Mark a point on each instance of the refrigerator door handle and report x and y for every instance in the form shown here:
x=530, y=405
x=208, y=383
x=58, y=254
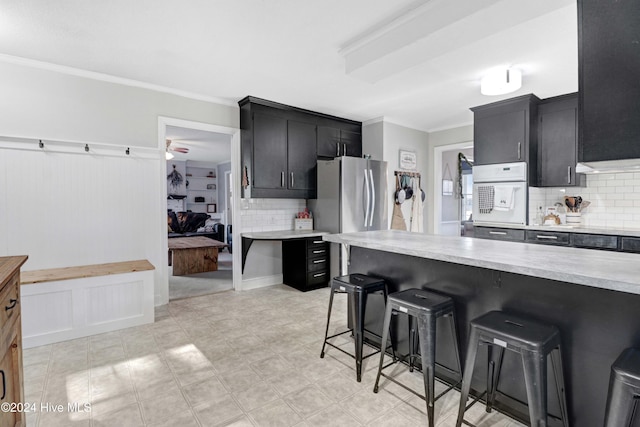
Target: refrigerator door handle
x=368, y=200
x=373, y=197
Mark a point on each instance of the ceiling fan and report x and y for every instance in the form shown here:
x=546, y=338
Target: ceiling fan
x=170, y=148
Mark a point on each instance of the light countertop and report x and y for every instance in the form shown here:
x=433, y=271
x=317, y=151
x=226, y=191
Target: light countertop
x=615, y=271
x=283, y=234
x=569, y=229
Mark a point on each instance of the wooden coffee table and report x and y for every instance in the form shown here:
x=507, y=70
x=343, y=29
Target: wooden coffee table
x=192, y=255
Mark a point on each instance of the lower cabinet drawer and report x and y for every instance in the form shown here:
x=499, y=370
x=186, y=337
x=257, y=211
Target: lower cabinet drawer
x=630, y=244
x=498, y=233
x=316, y=264
x=317, y=251
x=597, y=241
x=317, y=277
x=9, y=301
x=547, y=237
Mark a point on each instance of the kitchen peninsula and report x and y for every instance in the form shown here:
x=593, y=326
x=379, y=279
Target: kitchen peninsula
x=592, y=296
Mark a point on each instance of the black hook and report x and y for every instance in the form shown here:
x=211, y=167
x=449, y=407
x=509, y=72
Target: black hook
x=86, y=147
x=127, y=151
x=40, y=143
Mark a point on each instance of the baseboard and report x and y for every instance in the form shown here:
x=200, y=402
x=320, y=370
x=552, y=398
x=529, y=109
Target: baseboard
x=261, y=282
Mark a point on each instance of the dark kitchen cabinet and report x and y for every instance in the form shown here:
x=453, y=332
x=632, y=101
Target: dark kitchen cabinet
x=269, y=145
x=496, y=233
x=279, y=147
x=506, y=132
x=305, y=263
x=609, y=88
x=558, y=142
x=548, y=237
x=334, y=142
x=301, y=160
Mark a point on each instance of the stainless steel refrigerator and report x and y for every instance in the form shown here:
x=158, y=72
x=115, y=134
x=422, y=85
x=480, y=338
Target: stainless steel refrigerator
x=352, y=196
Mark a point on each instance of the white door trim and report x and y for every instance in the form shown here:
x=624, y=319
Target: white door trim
x=437, y=179
x=163, y=122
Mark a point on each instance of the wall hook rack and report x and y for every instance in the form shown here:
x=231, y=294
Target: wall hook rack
x=127, y=152
x=40, y=143
x=86, y=147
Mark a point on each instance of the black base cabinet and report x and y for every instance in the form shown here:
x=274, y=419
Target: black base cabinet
x=305, y=263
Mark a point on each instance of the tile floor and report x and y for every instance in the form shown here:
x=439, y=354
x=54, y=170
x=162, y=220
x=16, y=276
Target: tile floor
x=229, y=359
x=203, y=283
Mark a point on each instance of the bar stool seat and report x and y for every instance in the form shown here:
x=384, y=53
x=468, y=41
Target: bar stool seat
x=425, y=307
x=358, y=287
x=624, y=388
x=534, y=341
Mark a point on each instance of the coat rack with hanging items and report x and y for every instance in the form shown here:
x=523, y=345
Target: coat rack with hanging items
x=407, y=189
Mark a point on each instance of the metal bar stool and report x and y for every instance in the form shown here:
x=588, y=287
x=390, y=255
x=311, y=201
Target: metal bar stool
x=425, y=307
x=534, y=341
x=357, y=286
x=624, y=389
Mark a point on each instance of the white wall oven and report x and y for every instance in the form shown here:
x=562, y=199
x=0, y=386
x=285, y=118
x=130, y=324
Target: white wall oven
x=500, y=194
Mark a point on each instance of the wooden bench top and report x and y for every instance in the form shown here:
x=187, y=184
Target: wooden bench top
x=178, y=243
x=81, y=271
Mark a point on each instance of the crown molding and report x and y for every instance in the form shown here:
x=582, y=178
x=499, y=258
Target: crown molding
x=63, y=69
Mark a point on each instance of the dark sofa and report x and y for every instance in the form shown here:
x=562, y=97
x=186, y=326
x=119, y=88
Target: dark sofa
x=187, y=224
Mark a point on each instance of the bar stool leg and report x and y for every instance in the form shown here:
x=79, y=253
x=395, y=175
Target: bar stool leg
x=469, y=363
x=326, y=332
x=359, y=303
x=454, y=336
x=493, y=374
x=412, y=343
x=621, y=404
x=393, y=343
x=427, y=336
x=556, y=361
x=535, y=379
x=385, y=335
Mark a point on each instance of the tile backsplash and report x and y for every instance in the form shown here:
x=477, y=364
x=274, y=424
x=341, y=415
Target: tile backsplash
x=615, y=200
x=269, y=214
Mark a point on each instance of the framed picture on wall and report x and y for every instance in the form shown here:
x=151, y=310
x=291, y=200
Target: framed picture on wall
x=211, y=208
x=408, y=160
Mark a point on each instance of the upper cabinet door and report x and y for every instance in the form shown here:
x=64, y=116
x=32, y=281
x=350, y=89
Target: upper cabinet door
x=269, y=151
x=500, y=138
x=609, y=82
x=329, y=142
x=301, y=155
x=558, y=142
x=351, y=143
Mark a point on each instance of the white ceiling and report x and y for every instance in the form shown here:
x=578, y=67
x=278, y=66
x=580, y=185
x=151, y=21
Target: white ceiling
x=203, y=146
x=416, y=63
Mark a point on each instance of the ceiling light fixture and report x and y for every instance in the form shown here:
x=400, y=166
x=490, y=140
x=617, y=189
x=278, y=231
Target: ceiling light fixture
x=500, y=81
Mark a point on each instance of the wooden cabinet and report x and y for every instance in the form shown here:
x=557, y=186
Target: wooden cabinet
x=609, y=60
x=305, y=263
x=334, y=142
x=558, y=142
x=506, y=132
x=280, y=146
x=11, y=374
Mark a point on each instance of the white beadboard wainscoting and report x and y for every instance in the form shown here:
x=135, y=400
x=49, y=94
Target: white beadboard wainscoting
x=615, y=200
x=65, y=207
x=67, y=309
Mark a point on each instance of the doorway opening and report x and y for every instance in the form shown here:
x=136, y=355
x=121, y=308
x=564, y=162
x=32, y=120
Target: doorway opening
x=199, y=162
x=453, y=189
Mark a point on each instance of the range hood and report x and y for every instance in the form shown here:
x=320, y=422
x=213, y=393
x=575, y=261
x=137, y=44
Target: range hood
x=609, y=166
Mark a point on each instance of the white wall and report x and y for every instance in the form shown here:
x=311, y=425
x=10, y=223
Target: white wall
x=383, y=140
x=71, y=209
